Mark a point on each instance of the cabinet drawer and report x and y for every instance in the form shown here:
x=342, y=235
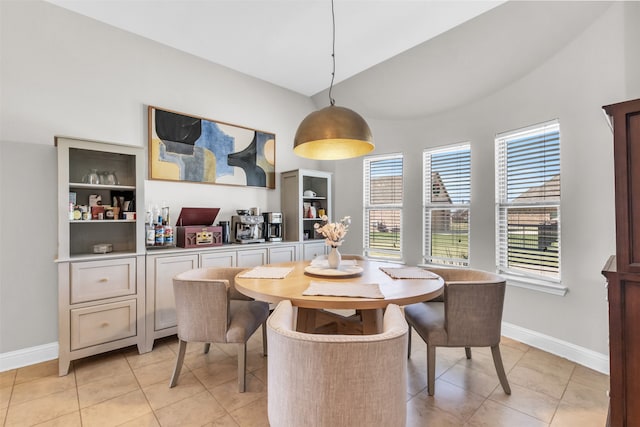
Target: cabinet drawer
x=102, y=323
x=102, y=279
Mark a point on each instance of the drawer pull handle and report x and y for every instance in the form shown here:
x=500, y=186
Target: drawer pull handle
x=104, y=324
x=104, y=279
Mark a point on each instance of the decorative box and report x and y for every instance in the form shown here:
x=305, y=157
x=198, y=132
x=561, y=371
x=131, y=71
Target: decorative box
x=194, y=229
x=198, y=236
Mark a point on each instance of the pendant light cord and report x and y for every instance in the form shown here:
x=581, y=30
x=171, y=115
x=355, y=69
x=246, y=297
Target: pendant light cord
x=333, y=53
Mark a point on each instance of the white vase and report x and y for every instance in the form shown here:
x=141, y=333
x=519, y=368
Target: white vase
x=334, y=258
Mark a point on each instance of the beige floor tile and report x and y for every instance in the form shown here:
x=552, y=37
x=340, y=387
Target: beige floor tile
x=261, y=374
x=581, y=395
x=146, y=420
x=159, y=354
x=212, y=375
x=42, y=387
x=548, y=383
x=7, y=378
x=157, y=372
x=538, y=405
x=197, y=410
x=5, y=395
x=421, y=413
x=453, y=399
x=198, y=359
x=590, y=378
x=106, y=388
x=510, y=355
x=572, y=416
x=226, y=421
x=475, y=381
x=116, y=411
x=543, y=362
x=230, y=398
x=99, y=367
x=492, y=414
x=504, y=341
x=253, y=415
x=160, y=395
x=416, y=373
x=39, y=370
x=535, y=378
x=483, y=362
x=69, y=420
x=43, y=409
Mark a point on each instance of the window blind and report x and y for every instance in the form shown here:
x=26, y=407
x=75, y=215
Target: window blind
x=446, y=195
x=528, y=201
x=383, y=197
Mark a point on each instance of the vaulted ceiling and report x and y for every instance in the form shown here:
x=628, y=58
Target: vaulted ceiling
x=394, y=58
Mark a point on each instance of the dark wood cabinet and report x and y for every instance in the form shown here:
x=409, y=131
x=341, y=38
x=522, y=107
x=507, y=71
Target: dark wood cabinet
x=623, y=270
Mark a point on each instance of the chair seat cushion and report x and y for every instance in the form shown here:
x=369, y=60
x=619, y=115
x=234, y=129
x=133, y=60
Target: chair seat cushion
x=244, y=318
x=427, y=318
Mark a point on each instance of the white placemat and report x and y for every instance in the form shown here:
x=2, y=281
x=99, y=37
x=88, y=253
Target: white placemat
x=409, y=273
x=266, y=273
x=344, y=289
x=321, y=262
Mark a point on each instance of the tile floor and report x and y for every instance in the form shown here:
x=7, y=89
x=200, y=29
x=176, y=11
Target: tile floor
x=124, y=388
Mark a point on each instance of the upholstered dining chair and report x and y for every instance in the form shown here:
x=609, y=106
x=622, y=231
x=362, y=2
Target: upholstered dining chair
x=469, y=314
x=355, y=257
x=210, y=310
x=336, y=380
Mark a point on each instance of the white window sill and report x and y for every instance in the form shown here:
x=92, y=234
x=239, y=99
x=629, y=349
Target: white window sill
x=535, y=285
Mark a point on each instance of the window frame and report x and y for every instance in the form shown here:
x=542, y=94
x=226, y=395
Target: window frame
x=428, y=205
x=528, y=279
x=376, y=253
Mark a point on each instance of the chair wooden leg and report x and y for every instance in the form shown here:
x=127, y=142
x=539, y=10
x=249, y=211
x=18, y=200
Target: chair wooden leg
x=242, y=367
x=467, y=352
x=409, y=344
x=264, y=338
x=431, y=369
x=207, y=346
x=180, y=359
x=497, y=360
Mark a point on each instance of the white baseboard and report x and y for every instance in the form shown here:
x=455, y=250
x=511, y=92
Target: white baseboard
x=28, y=356
x=583, y=356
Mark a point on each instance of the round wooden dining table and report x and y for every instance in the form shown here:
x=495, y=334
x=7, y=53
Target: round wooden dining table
x=402, y=291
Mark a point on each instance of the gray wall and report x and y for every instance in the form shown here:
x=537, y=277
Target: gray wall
x=588, y=72
x=64, y=74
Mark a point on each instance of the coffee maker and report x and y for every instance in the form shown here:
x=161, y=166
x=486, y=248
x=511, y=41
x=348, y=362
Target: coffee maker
x=247, y=228
x=273, y=227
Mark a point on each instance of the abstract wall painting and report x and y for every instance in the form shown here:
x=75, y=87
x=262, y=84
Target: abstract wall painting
x=195, y=149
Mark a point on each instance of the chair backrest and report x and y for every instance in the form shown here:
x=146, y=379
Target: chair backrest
x=202, y=303
x=473, y=304
x=336, y=380
x=352, y=256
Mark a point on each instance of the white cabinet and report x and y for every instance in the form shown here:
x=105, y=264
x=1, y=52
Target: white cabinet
x=300, y=190
x=283, y=254
x=218, y=259
x=161, y=305
x=101, y=296
x=163, y=265
x=252, y=257
x=311, y=250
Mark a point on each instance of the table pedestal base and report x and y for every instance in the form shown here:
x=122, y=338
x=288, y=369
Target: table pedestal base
x=316, y=321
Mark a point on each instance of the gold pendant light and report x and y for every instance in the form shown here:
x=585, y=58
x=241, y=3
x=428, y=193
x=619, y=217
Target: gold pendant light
x=333, y=132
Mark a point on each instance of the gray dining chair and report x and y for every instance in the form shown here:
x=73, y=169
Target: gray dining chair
x=469, y=314
x=336, y=380
x=210, y=310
